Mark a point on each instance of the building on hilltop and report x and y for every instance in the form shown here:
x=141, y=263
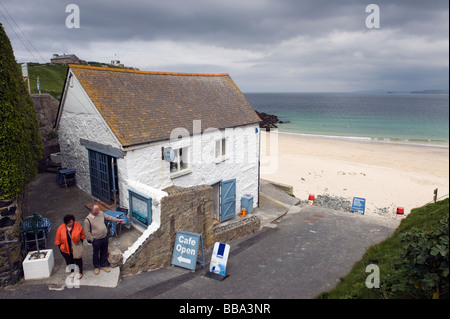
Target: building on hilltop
x=65, y=59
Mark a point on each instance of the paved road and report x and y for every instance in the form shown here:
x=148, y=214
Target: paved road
x=299, y=256
x=305, y=254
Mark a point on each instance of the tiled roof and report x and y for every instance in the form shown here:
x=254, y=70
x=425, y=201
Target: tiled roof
x=142, y=107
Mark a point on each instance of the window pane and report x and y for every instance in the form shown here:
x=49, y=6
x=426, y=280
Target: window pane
x=223, y=147
x=173, y=167
x=174, y=164
x=139, y=209
x=218, y=148
x=184, y=158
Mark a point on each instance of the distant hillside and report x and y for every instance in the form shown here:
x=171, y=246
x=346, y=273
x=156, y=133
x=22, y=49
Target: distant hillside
x=430, y=92
x=52, y=77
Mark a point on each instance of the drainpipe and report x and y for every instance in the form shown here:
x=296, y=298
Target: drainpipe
x=259, y=161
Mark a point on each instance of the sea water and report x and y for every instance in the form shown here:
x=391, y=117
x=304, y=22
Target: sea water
x=398, y=118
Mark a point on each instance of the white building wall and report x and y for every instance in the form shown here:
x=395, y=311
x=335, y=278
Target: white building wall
x=81, y=119
x=156, y=196
x=146, y=166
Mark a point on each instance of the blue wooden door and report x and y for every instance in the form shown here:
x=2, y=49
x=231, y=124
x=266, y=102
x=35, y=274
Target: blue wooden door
x=227, y=199
x=99, y=167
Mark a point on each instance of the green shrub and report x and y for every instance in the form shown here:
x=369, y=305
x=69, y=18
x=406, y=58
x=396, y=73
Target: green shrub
x=423, y=266
x=413, y=262
x=20, y=143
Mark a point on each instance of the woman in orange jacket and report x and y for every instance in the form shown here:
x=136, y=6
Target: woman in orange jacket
x=69, y=239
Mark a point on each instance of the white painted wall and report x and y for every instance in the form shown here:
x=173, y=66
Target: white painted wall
x=81, y=119
x=148, y=173
x=156, y=195
x=146, y=166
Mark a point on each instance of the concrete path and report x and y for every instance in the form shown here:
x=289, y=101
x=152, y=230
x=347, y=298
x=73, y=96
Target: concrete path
x=52, y=201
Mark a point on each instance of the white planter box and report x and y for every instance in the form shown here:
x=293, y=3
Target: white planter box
x=38, y=268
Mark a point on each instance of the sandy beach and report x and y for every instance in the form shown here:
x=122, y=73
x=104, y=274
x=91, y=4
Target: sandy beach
x=387, y=175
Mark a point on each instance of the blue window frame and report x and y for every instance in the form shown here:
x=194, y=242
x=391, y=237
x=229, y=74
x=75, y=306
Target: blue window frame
x=140, y=207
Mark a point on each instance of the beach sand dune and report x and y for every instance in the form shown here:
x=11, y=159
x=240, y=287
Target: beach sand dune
x=387, y=175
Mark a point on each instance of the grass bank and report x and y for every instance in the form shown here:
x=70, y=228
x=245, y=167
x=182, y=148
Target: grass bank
x=411, y=263
x=51, y=78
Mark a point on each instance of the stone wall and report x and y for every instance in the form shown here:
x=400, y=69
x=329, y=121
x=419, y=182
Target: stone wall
x=10, y=224
x=188, y=209
x=236, y=229
x=46, y=107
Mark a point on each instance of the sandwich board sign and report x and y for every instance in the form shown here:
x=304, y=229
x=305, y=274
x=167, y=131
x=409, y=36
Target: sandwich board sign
x=185, y=250
x=358, y=205
x=219, y=259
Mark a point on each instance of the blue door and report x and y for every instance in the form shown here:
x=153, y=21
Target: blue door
x=227, y=199
x=100, y=167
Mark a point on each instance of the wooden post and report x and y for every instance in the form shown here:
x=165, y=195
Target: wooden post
x=27, y=79
x=435, y=195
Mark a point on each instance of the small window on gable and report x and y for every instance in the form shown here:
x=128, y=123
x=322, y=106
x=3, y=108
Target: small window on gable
x=221, y=150
x=180, y=165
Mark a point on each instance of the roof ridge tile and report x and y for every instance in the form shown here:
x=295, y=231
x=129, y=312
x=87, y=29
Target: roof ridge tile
x=78, y=66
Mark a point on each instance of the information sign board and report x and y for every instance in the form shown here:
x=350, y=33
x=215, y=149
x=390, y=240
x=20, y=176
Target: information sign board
x=185, y=250
x=24, y=70
x=358, y=205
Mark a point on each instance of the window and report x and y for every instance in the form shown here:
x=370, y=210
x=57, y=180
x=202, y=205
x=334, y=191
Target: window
x=221, y=150
x=180, y=165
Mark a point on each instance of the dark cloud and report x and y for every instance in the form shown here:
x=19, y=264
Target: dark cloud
x=262, y=43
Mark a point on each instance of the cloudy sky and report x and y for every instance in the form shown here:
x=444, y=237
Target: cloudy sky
x=265, y=45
